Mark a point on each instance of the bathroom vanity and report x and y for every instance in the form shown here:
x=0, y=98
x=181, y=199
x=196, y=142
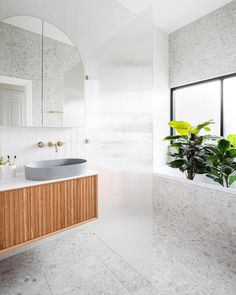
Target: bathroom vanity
x=32, y=210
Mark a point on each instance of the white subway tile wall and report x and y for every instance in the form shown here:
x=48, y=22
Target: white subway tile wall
x=22, y=142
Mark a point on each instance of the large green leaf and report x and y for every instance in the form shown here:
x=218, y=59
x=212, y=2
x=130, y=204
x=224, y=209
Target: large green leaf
x=182, y=127
x=231, y=153
x=204, y=125
x=175, y=146
x=223, y=145
x=232, y=139
x=174, y=137
x=177, y=163
x=232, y=179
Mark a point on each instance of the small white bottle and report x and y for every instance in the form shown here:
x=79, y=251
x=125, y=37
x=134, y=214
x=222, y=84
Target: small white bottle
x=9, y=170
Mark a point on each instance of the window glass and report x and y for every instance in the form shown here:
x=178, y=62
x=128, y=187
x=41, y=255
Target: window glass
x=199, y=103
x=229, y=106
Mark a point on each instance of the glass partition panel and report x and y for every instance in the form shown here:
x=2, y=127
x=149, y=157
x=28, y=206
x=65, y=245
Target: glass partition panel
x=119, y=121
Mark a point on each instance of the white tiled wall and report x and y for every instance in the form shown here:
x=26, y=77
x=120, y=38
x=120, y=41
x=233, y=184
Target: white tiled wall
x=22, y=143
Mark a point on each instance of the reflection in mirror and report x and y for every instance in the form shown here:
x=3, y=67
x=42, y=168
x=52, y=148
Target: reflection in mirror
x=41, y=75
x=20, y=71
x=63, y=80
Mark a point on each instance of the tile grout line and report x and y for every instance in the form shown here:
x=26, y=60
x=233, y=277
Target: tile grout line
x=119, y=257
x=43, y=273
x=111, y=272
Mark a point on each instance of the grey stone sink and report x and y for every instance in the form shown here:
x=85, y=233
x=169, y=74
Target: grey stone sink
x=55, y=169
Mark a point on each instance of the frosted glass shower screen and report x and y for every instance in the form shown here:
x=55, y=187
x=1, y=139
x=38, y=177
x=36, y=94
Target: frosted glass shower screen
x=119, y=120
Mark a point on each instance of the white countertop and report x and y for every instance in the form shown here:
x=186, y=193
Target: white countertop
x=20, y=181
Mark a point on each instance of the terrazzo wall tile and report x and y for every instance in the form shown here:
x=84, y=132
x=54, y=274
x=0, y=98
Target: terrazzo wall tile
x=194, y=239
x=205, y=48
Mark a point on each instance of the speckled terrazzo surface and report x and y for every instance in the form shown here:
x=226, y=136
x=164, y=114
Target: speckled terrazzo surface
x=78, y=263
x=194, y=248
x=205, y=48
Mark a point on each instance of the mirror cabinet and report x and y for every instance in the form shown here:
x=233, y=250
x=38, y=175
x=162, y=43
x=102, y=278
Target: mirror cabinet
x=41, y=75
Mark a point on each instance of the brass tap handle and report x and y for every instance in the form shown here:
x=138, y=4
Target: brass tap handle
x=60, y=143
x=40, y=144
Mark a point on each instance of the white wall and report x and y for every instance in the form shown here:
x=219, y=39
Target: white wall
x=161, y=97
x=21, y=141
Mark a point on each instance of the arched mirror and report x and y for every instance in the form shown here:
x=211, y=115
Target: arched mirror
x=41, y=75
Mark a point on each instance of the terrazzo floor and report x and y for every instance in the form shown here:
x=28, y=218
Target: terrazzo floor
x=78, y=263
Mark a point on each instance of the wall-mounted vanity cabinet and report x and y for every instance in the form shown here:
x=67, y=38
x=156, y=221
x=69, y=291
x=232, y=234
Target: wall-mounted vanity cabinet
x=41, y=75
x=34, y=212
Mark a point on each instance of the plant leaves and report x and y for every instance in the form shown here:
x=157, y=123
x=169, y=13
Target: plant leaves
x=211, y=137
x=232, y=179
x=223, y=145
x=174, y=137
x=216, y=179
x=231, y=153
x=182, y=127
x=204, y=125
x=177, y=163
x=232, y=139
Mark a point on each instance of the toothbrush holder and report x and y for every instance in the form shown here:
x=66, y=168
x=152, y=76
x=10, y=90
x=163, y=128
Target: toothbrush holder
x=9, y=171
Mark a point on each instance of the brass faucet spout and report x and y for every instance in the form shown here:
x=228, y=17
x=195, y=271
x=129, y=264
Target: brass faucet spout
x=51, y=144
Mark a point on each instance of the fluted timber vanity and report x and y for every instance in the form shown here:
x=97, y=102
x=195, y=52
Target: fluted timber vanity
x=32, y=210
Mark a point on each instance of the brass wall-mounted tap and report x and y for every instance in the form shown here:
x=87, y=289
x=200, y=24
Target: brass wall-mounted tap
x=56, y=145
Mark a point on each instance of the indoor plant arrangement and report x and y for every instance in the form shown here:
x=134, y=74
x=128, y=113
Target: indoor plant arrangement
x=194, y=153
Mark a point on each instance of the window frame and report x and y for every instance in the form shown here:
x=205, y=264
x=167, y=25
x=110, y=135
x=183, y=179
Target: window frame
x=220, y=79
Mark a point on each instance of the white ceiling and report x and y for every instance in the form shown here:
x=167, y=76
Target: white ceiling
x=136, y=5
x=170, y=15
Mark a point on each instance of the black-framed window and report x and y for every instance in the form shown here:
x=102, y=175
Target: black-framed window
x=209, y=99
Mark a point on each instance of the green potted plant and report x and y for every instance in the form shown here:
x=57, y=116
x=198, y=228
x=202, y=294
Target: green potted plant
x=2, y=165
x=188, y=149
x=222, y=161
